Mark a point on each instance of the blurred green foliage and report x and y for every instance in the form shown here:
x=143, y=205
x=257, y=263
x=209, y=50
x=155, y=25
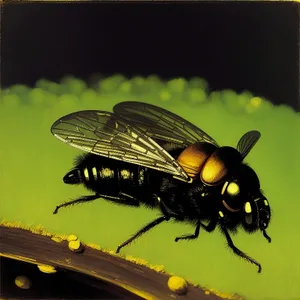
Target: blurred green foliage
x=33, y=162
x=194, y=91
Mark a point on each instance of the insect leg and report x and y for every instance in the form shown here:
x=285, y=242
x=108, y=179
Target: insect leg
x=237, y=251
x=167, y=214
x=190, y=236
x=126, y=199
x=122, y=199
x=143, y=230
x=79, y=200
x=266, y=235
x=211, y=226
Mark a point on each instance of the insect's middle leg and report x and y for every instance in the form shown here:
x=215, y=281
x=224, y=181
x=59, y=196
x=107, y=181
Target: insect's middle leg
x=167, y=214
x=142, y=231
x=190, y=236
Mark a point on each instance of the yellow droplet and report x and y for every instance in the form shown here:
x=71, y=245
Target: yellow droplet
x=74, y=245
x=177, y=285
x=23, y=282
x=46, y=269
x=57, y=239
x=72, y=237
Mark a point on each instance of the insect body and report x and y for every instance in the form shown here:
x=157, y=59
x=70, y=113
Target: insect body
x=143, y=154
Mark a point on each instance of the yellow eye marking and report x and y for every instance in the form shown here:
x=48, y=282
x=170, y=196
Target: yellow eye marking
x=233, y=188
x=224, y=187
x=248, y=209
x=95, y=173
x=86, y=173
x=221, y=214
x=266, y=202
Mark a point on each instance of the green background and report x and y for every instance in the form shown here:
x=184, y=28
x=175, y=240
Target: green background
x=33, y=162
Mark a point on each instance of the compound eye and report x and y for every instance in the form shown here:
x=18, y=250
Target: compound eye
x=233, y=189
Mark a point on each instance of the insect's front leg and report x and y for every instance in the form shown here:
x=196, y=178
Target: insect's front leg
x=233, y=247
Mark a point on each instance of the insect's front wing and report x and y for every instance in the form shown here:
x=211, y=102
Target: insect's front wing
x=161, y=124
x=105, y=134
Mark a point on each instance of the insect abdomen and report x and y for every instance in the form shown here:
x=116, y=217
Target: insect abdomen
x=106, y=179
x=96, y=173
x=106, y=176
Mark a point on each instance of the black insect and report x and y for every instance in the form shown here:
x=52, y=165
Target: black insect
x=143, y=154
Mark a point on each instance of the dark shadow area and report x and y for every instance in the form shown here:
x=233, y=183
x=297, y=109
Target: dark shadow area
x=236, y=45
x=63, y=284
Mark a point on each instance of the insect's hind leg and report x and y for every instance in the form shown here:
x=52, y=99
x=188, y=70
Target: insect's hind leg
x=76, y=201
x=121, y=199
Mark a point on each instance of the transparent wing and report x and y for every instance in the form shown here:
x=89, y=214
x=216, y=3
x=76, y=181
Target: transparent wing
x=108, y=135
x=161, y=124
x=247, y=142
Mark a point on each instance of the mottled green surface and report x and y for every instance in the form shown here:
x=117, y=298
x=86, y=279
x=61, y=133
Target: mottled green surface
x=33, y=162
